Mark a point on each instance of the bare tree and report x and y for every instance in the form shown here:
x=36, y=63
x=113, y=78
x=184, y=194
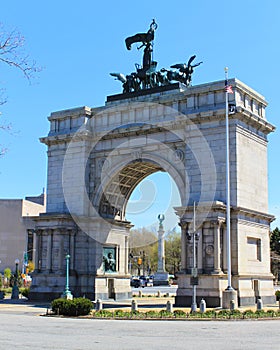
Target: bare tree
x=12, y=53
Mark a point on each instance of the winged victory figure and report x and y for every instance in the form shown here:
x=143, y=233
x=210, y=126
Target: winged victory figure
x=186, y=70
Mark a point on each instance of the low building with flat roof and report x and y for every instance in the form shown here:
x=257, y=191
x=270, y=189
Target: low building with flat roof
x=16, y=229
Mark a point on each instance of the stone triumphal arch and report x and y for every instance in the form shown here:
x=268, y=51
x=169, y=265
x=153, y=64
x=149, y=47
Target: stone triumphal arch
x=96, y=158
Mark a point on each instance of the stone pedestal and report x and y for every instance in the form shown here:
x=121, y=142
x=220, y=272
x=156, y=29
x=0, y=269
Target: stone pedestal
x=161, y=279
x=229, y=298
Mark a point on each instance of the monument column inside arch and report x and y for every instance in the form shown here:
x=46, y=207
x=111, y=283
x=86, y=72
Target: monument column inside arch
x=161, y=276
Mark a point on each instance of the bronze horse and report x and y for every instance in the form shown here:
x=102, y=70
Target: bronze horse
x=145, y=38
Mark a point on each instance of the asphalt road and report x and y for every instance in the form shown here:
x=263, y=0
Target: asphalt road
x=154, y=290
x=21, y=327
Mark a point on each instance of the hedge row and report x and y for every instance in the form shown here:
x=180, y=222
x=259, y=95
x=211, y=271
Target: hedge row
x=223, y=314
x=75, y=307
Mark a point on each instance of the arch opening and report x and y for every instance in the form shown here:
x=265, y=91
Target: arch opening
x=137, y=192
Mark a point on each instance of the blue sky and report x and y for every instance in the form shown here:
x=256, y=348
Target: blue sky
x=79, y=43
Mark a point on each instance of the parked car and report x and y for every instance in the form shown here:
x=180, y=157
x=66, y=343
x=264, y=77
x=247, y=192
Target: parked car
x=147, y=281
x=135, y=282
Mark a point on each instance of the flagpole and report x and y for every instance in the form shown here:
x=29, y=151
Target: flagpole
x=229, y=287
x=194, y=273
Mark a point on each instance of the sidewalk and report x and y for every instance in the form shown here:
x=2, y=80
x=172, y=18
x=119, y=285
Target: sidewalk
x=144, y=304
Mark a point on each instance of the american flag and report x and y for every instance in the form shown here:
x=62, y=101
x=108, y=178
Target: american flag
x=228, y=88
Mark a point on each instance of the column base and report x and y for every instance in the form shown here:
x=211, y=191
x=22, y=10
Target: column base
x=228, y=296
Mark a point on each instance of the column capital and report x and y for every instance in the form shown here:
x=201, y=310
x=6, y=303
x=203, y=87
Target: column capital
x=218, y=222
x=184, y=224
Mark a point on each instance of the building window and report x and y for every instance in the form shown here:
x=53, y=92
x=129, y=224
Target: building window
x=254, y=248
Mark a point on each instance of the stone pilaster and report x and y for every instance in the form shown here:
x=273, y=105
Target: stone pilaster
x=49, y=250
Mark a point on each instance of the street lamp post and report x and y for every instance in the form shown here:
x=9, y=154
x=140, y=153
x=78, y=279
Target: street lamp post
x=15, y=290
x=67, y=294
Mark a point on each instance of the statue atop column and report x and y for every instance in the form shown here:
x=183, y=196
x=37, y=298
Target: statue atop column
x=161, y=276
x=161, y=250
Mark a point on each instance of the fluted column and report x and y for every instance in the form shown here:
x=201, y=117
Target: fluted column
x=49, y=250
x=61, y=254
x=200, y=250
x=36, y=245
x=126, y=255
x=184, y=228
x=225, y=250
x=72, y=249
x=217, y=247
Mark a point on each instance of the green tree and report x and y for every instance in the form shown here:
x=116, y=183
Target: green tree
x=143, y=249
x=16, y=277
x=30, y=266
x=7, y=276
x=275, y=252
x=144, y=245
x=173, y=252
x=7, y=273
x=275, y=240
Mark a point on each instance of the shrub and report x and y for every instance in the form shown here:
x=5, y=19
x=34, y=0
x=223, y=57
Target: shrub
x=103, y=313
x=224, y=314
x=277, y=294
x=193, y=314
x=260, y=313
x=236, y=314
x=210, y=314
x=179, y=314
x=165, y=314
x=152, y=314
x=83, y=306
x=25, y=292
x=59, y=306
x=122, y=314
x=271, y=313
x=75, y=307
x=248, y=314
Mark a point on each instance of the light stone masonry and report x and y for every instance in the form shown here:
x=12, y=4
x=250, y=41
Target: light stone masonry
x=97, y=156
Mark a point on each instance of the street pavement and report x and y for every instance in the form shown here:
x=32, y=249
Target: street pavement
x=23, y=327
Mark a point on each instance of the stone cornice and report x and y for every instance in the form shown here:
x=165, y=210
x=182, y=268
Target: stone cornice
x=254, y=120
x=204, y=108
x=237, y=211
x=72, y=112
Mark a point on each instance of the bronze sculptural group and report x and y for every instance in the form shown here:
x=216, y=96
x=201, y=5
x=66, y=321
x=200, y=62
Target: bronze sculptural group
x=146, y=76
